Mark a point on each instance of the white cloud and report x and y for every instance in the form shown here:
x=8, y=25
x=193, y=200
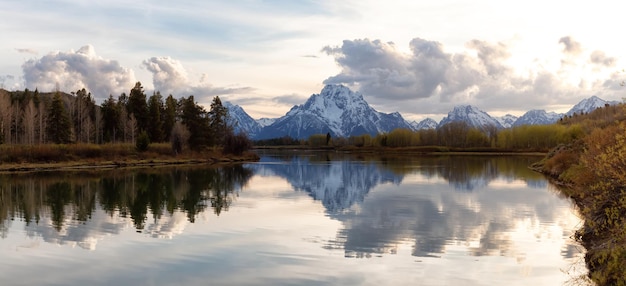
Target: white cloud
x=170, y=77
x=75, y=70
x=428, y=79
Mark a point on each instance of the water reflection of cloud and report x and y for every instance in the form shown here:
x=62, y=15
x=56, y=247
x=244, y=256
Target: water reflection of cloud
x=100, y=226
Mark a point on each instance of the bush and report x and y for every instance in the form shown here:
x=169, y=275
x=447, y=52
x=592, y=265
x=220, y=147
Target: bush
x=143, y=141
x=179, y=137
x=236, y=144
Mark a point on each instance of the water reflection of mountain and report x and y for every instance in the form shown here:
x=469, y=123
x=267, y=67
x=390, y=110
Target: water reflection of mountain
x=341, y=180
x=447, y=200
x=71, y=207
x=338, y=184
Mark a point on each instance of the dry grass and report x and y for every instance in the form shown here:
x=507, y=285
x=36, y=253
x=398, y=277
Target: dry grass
x=62, y=156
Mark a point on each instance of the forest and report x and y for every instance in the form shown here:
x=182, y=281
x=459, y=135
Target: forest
x=31, y=118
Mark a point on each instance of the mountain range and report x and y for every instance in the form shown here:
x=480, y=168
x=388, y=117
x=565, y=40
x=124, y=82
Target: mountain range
x=341, y=112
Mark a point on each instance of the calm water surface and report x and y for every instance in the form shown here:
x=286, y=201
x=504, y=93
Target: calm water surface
x=292, y=219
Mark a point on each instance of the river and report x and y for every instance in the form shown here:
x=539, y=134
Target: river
x=293, y=218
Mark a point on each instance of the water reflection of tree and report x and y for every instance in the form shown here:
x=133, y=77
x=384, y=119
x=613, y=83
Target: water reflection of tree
x=127, y=193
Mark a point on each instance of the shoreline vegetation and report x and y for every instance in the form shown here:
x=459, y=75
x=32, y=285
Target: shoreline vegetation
x=47, y=157
x=55, y=157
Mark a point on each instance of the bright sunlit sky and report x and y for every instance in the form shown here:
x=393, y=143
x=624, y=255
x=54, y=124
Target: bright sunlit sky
x=420, y=58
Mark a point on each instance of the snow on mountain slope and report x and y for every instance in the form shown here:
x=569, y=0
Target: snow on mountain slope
x=241, y=121
x=589, y=104
x=427, y=123
x=471, y=115
x=507, y=120
x=336, y=110
x=265, y=121
x=537, y=117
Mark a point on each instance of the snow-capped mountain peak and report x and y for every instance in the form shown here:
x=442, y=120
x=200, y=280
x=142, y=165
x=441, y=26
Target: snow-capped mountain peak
x=589, y=104
x=507, y=120
x=336, y=110
x=471, y=115
x=240, y=120
x=427, y=123
x=537, y=117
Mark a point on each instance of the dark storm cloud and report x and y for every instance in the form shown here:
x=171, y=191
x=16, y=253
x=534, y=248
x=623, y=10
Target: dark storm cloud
x=570, y=45
x=75, y=70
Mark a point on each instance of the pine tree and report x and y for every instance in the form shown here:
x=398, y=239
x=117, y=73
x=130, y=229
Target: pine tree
x=138, y=106
x=59, y=125
x=169, y=116
x=110, y=120
x=195, y=118
x=155, y=112
x=218, y=116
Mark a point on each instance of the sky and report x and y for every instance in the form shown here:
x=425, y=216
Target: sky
x=420, y=58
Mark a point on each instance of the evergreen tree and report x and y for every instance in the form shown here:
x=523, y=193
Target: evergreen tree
x=195, y=118
x=110, y=120
x=138, y=106
x=155, y=112
x=218, y=116
x=59, y=125
x=169, y=115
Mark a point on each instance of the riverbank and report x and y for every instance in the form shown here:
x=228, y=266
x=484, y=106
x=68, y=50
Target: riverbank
x=24, y=158
x=591, y=173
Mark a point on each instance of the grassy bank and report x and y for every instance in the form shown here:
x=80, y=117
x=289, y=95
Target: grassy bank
x=592, y=172
x=15, y=158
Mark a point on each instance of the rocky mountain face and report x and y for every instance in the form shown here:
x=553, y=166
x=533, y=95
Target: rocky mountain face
x=507, y=120
x=241, y=121
x=589, y=104
x=471, y=115
x=537, y=117
x=427, y=123
x=336, y=110
x=342, y=113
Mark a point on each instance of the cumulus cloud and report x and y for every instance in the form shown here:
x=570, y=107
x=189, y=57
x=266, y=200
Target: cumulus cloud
x=600, y=58
x=481, y=74
x=169, y=76
x=75, y=70
x=570, y=45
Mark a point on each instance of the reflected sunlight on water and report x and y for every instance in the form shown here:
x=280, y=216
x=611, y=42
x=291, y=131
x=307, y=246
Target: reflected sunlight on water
x=292, y=220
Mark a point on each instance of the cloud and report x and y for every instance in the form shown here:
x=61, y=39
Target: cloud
x=169, y=76
x=600, y=58
x=482, y=74
x=290, y=99
x=74, y=70
x=27, y=51
x=571, y=46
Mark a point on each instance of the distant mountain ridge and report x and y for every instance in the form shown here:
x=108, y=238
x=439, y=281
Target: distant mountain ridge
x=342, y=113
x=336, y=110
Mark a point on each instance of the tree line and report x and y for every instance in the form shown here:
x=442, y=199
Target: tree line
x=30, y=117
x=460, y=135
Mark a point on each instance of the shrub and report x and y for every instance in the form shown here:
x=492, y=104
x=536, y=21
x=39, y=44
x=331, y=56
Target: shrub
x=236, y=144
x=143, y=141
